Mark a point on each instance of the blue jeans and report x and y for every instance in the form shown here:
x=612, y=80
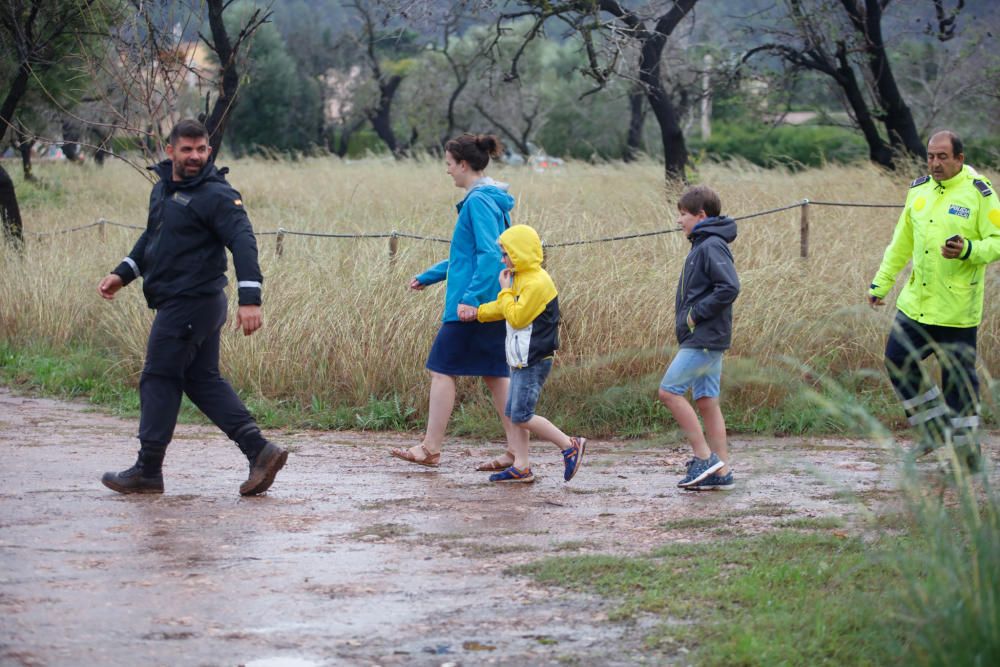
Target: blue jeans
x=525, y=386
x=696, y=369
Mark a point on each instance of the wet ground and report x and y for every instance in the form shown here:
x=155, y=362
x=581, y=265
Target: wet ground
x=354, y=558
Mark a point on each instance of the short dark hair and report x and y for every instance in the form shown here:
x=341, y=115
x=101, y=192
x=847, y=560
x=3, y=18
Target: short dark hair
x=476, y=149
x=957, y=147
x=700, y=198
x=188, y=128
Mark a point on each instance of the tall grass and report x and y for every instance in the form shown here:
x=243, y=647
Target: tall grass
x=341, y=326
x=950, y=597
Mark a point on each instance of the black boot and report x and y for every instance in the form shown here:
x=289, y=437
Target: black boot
x=144, y=477
x=263, y=467
x=930, y=436
x=970, y=456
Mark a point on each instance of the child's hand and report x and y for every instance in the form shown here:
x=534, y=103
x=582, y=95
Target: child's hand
x=467, y=313
x=506, y=278
x=690, y=322
x=416, y=284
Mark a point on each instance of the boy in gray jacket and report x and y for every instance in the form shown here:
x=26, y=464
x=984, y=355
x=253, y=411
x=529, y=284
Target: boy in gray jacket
x=707, y=287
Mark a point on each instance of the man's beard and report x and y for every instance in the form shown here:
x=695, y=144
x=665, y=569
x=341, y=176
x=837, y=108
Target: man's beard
x=188, y=169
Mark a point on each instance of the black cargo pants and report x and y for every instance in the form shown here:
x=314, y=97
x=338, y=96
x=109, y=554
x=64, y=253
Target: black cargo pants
x=937, y=415
x=182, y=357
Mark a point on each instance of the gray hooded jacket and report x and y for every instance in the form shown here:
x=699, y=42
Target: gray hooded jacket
x=707, y=287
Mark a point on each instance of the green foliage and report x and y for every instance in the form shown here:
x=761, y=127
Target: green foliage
x=629, y=410
x=781, y=598
x=984, y=153
x=387, y=414
x=278, y=107
x=796, y=146
x=951, y=596
x=58, y=40
x=308, y=29
x=39, y=193
x=74, y=372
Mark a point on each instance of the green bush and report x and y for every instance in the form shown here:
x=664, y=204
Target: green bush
x=797, y=146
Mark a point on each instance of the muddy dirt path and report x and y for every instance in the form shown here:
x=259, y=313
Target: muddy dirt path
x=352, y=557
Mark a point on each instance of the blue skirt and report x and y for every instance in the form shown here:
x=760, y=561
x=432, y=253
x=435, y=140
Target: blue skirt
x=470, y=348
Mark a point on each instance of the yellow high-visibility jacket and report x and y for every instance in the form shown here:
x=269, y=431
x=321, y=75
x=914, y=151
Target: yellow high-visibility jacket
x=945, y=292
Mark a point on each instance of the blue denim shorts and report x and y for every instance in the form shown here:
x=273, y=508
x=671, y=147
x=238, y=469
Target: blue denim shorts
x=525, y=386
x=696, y=369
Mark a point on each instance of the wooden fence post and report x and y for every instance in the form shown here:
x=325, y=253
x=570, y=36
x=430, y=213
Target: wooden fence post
x=279, y=243
x=102, y=233
x=393, y=247
x=804, y=230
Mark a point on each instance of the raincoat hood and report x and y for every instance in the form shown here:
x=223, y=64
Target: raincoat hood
x=523, y=247
x=724, y=227
x=495, y=191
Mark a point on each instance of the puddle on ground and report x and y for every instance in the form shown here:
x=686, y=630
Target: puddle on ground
x=354, y=557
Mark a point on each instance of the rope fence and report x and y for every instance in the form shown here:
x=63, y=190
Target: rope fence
x=394, y=236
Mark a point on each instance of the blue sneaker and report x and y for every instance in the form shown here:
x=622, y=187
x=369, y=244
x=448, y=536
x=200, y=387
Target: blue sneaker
x=699, y=469
x=513, y=475
x=573, y=457
x=715, y=482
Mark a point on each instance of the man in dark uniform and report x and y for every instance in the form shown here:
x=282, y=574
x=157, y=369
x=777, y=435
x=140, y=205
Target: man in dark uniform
x=194, y=215
x=950, y=231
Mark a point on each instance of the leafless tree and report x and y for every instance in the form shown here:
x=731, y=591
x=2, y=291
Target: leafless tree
x=462, y=64
x=608, y=29
x=227, y=51
x=386, y=79
x=843, y=39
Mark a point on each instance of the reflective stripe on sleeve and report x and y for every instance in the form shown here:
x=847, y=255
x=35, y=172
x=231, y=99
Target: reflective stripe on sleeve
x=135, y=267
x=248, y=283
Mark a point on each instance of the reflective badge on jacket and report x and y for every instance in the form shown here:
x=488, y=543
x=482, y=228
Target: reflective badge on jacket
x=960, y=211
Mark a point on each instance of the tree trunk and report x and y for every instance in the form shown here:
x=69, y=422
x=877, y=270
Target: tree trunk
x=24, y=145
x=344, y=141
x=381, y=116
x=878, y=151
x=674, y=149
x=897, y=118
x=10, y=213
x=636, y=120
x=71, y=139
x=18, y=87
x=219, y=117
x=450, y=116
x=675, y=155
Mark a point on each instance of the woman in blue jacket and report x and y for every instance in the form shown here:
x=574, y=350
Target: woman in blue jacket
x=464, y=346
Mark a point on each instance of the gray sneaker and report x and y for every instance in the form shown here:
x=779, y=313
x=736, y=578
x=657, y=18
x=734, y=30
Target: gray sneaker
x=715, y=482
x=699, y=469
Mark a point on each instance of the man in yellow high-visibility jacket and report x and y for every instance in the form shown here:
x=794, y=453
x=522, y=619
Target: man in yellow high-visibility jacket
x=950, y=230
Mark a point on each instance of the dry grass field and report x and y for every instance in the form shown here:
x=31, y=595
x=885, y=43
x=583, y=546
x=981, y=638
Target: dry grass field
x=342, y=328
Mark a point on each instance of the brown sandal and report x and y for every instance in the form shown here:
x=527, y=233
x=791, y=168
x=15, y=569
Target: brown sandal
x=495, y=465
x=430, y=460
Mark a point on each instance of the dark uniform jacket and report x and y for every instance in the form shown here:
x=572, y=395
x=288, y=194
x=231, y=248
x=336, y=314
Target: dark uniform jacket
x=707, y=287
x=183, y=250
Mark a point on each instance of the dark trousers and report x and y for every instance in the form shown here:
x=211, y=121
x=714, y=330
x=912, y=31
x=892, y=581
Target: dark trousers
x=955, y=410
x=182, y=356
